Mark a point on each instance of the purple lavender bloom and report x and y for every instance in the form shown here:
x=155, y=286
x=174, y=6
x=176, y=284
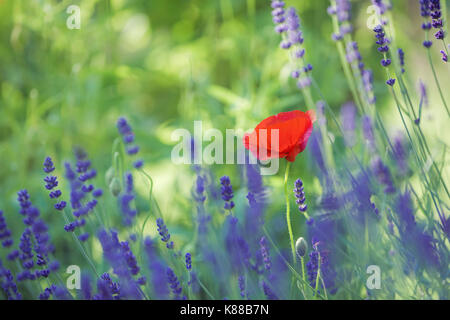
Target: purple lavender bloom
x=367, y=127
x=188, y=260
x=343, y=10
x=97, y=193
x=289, y=22
x=336, y=37
x=348, y=115
x=138, y=164
x=241, y=283
x=401, y=56
x=427, y=43
x=424, y=8
x=174, y=284
x=26, y=250
x=444, y=56
x=236, y=246
x=199, y=196
x=386, y=62
x=8, y=284
x=383, y=175
x=54, y=265
x=419, y=246
x=367, y=79
x=37, y=227
x=126, y=199
x=164, y=233
x=70, y=227
x=45, y=295
x=48, y=165
x=277, y=4
x=381, y=7
x=400, y=155
x=113, y=251
x=157, y=268
x=270, y=295
x=104, y=291
x=83, y=237
x=256, y=196
x=76, y=195
x=426, y=25
x=130, y=258
x=5, y=233
x=128, y=138
x=300, y=195
x=390, y=82
x=265, y=254
x=436, y=16
x=142, y=281
x=227, y=192
x=199, y=192
x=323, y=236
x=86, y=288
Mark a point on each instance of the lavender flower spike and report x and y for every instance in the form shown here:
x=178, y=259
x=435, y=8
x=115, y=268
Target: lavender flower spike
x=227, y=192
x=164, y=233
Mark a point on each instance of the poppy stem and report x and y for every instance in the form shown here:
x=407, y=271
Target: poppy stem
x=288, y=212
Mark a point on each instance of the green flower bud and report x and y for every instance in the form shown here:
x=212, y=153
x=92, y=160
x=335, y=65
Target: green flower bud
x=301, y=247
x=115, y=187
x=109, y=176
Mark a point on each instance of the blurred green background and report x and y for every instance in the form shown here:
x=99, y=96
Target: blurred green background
x=164, y=64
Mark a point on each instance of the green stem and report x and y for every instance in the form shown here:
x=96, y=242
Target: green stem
x=318, y=276
x=303, y=269
x=430, y=61
x=288, y=213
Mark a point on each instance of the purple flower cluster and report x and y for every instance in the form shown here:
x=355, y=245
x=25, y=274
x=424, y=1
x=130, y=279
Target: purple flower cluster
x=383, y=175
x=348, y=115
x=107, y=289
x=227, y=192
x=265, y=254
x=35, y=238
x=130, y=258
x=326, y=272
x=81, y=190
x=381, y=6
x=343, y=11
x=288, y=25
x=300, y=195
x=268, y=291
x=8, y=284
x=126, y=199
x=367, y=129
x=5, y=233
x=383, y=48
x=419, y=246
x=123, y=262
x=128, y=139
x=52, y=183
x=241, y=283
x=436, y=16
x=174, y=284
x=188, y=260
x=164, y=233
x=401, y=58
x=157, y=267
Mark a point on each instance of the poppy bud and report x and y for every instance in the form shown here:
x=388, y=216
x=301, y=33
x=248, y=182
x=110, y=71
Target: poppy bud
x=301, y=247
x=109, y=176
x=115, y=187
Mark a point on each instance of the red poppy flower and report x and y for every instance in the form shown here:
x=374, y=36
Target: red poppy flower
x=294, y=130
